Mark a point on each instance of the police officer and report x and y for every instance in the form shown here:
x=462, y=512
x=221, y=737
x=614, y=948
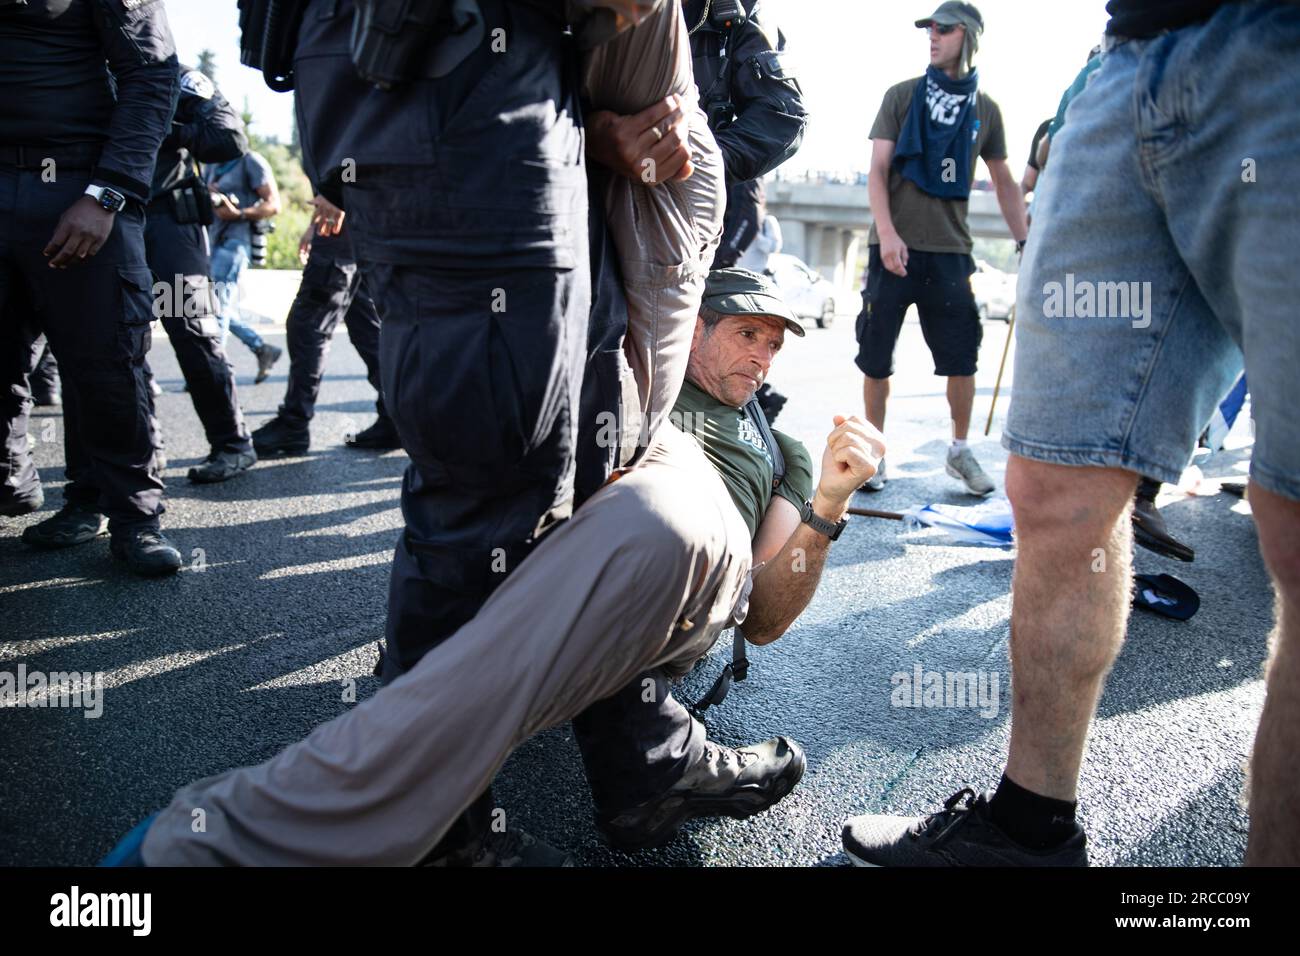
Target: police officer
x=754, y=105
x=466, y=197
x=208, y=130
x=331, y=291
x=98, y=82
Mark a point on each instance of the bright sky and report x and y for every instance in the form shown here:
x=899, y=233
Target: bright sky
x=846, y=53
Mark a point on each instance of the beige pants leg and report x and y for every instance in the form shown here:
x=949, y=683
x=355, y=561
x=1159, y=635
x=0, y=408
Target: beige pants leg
x=666, y=234
x=646, y=573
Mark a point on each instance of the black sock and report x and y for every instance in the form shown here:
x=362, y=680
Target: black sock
x=1029, y=818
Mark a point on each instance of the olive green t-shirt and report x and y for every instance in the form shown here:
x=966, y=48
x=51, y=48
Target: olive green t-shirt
x=735, y=447
x=925, y=222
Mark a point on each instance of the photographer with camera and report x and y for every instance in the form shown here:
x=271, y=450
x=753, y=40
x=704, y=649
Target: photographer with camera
x=244, y=198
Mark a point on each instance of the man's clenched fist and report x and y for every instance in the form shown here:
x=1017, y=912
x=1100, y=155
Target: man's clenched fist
x=852, y=455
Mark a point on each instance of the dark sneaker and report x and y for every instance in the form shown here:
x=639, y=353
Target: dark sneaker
x=961, y=834
x=146, y=552
x=70, y=525
x=381, y=436
x=15, y=505
x=222, y=466
x=1150, y=531
x=278, y=437
x=723, y=782
x=511, y=848
x=267, y=355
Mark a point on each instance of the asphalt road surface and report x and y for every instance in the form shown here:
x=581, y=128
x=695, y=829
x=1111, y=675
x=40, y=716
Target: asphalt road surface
x=257, y=641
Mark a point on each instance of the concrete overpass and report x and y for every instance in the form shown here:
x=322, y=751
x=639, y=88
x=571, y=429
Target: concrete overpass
x=824, y=224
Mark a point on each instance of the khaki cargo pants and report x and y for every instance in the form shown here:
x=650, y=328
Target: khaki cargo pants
x=647, y=573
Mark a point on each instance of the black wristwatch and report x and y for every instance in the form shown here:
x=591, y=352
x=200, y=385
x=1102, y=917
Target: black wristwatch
x=831, y=529
x=109, y=199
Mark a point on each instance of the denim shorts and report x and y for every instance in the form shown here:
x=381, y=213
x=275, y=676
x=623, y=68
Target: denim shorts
x=1164, y=255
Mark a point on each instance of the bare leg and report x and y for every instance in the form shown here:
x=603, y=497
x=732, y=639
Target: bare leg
x=1069, y=610
x=1274, y=772
x=961, y=399
x=875, y=395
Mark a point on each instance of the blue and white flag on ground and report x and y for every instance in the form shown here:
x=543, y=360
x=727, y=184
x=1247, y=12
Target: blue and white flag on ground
x=1225, y=415
x=986, y=523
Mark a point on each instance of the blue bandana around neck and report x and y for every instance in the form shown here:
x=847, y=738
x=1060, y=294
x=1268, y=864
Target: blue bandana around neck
x=941, y=125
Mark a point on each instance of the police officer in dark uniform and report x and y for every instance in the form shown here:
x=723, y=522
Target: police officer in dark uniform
x=92, y=90
x=331, y=291
x=466, y=197
x=205, y=129
x=754, y=105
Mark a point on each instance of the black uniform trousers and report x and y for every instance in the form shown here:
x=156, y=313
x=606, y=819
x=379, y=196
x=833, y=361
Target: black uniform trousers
x=331, y=291
x=45, y=379
x=179, y=259
x=96, y=315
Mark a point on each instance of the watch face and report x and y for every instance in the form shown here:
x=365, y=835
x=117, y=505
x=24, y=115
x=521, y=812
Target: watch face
x=112, y=200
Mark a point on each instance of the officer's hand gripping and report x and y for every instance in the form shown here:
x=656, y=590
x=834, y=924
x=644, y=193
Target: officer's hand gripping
x=647, y=147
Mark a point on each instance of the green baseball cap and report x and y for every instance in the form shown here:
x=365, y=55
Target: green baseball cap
x=741, y=292
x=957, y=14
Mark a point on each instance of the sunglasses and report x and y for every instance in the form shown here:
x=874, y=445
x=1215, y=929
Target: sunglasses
x=943, y=28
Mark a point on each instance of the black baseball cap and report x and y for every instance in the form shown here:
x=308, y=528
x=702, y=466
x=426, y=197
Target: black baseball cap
x=741, y=292
x=955, y=14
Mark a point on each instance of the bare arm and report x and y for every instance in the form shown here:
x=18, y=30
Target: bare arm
x=893, y=251
x=786, y=582
x=1010, y=198
x=267, y=205
x=1028, y=181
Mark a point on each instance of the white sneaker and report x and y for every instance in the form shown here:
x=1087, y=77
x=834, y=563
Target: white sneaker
x=877, y=481
x=963, y=466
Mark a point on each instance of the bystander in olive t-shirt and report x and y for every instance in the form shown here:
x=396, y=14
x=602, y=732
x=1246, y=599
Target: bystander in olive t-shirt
x=735, y=448
x=924, y=222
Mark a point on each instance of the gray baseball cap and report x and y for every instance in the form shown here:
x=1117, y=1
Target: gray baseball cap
x=957, y=14
x=741, y=292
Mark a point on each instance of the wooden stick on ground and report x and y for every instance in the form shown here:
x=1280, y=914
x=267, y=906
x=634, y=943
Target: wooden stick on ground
x=873, y=513
x=1011, y=324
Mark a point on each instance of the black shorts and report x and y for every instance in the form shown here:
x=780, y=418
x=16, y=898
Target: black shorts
x=938, y=284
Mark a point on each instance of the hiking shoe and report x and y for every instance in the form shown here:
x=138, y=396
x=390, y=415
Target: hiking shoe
x=723, y=782
x=513, y=847
x=15, y=505
x=71, y=525
x=279, y=437
x=222, y=466
x=961, y=834
x=963, y=466
x=146, y=551
x=381, y=436
x=1150, y=531
x=877, y=481
x=267, y=355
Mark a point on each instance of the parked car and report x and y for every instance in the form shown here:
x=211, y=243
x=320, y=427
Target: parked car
x=807, y=292
x=995, y=291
